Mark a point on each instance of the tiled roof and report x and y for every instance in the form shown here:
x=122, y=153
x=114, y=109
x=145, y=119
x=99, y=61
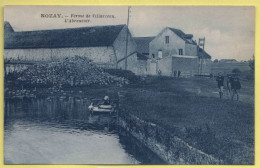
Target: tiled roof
x=186, y=37
x=203, y=54
x=62, y=38
x=143, y=44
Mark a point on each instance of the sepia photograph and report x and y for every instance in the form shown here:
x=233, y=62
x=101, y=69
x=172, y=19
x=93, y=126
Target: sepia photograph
x=129, y=85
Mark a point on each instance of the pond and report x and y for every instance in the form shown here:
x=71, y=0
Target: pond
x=63, y=131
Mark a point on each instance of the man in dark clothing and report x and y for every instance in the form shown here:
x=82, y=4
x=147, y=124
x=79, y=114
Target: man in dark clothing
x=179, y=73
x=220, y=80
x=235, y=87
x=106, y=100
x=175, y=73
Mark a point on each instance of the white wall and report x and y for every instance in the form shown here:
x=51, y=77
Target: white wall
x=172, y=48
x=191, y=49
x=165, y=66
x=97, y=54
x=152, y=66
x=187, y=65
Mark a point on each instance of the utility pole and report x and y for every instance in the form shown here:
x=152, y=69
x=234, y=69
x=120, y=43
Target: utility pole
x=201, y=43
x=127, y=37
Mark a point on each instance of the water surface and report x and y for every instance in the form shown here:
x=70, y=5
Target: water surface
x=62, y=131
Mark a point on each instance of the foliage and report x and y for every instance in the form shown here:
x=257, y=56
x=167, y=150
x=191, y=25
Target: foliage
x=252, y=64
x=236, y=71
x=129, y=75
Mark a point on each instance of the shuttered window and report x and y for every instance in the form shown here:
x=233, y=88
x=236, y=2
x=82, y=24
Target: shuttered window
x=167, y=40
x=180, y=52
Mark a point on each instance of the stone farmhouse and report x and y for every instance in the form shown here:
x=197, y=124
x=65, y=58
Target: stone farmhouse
x=172, y=50
x=104, y=45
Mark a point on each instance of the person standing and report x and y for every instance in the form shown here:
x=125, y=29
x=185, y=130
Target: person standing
x=220, y=80
x=229, y=81
x=179, y=73
x=235, y=87
x=175, y=73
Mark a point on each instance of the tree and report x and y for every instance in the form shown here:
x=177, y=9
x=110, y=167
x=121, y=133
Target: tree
x=252, y=63
x=215, y=61
x=236, y=71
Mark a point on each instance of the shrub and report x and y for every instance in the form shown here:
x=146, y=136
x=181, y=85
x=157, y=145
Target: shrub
x=252, y=64
x=129, y=75
x=236, y=71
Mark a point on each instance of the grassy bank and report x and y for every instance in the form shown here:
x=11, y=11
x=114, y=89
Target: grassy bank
x=191, y=110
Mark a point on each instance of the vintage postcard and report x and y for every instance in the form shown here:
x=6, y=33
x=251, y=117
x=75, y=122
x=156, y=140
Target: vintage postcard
x=149, y=85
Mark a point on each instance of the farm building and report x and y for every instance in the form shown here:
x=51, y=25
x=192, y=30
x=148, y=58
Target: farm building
x=104, y=45
x=143, y=44
x=172, y=50
x=228, y=61
x=143, y=52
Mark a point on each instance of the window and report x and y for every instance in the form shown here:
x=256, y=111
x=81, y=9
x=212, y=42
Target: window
x=153, y=56
x=160, y=54
x=167, y=40
x=180, y=52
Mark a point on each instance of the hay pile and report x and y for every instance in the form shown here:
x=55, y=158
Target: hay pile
x=73, y=71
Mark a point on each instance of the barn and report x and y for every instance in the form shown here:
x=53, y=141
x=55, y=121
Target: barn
x=104, y=45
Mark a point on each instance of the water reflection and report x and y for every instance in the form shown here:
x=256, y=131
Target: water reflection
x=62, y=131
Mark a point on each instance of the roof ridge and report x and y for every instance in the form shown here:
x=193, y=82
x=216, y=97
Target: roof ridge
x=182, y=35
x=145, y=37
x=62, y=38
x=72, y=28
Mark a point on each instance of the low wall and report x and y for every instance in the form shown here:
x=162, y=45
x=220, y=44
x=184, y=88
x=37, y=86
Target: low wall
x=169, y=148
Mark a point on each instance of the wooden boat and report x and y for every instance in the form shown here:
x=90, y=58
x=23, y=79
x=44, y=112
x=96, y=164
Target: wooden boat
x=96, y=106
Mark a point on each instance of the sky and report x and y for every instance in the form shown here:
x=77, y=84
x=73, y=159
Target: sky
x=229, y=30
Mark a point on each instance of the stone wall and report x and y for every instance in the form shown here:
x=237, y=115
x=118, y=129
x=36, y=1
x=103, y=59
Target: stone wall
x=152, y=67
x=165, y=66
x=143, y=69
x=100, y=55
x=191, y=49
x=169, y=148
x=187, y=65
